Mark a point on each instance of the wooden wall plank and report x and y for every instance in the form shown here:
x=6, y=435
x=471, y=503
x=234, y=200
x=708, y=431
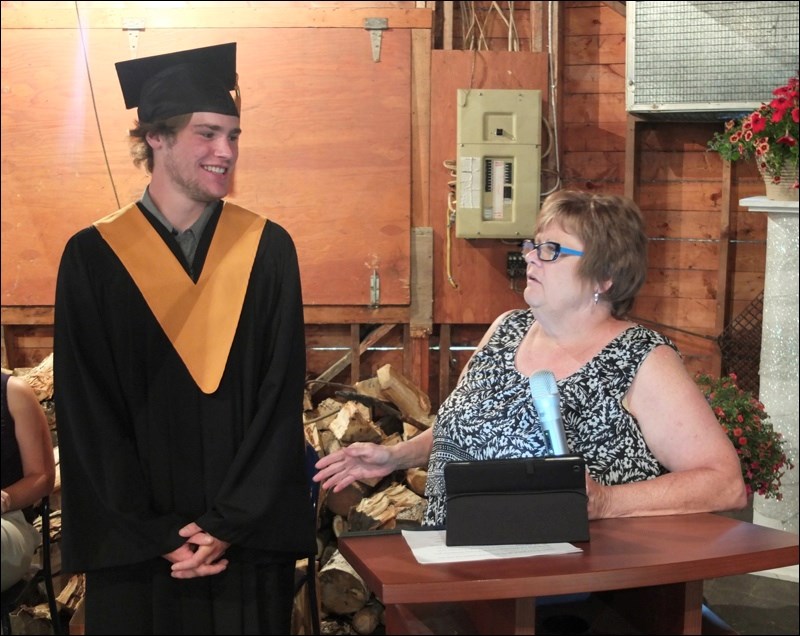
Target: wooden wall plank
x=594, y=107
x=594, y=78
x=114, y=15
x=602, y=135
x=594, y=49
x=593, y=18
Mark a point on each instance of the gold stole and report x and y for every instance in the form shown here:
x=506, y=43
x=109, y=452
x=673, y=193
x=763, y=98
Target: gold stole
x=200, y=319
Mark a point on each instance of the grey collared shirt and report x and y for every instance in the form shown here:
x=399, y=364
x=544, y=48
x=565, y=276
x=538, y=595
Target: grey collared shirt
x=188, y=239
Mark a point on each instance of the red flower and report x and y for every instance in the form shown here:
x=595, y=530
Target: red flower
x=758, y=123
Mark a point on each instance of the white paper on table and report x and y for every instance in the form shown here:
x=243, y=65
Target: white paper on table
x=428, y=546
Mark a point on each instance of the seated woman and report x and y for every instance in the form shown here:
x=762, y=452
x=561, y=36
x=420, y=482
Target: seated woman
x=28, y=474
x=651, y=443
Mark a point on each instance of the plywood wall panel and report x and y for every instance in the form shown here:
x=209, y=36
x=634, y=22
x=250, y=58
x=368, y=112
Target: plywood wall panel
x=478, y=266
x=54, y=175
x=326, y=149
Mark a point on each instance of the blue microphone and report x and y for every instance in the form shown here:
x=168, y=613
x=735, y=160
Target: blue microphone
x=544, y=391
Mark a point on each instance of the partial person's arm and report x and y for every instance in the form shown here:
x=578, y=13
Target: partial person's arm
x=363, y=460
x=684, y=435
x=35, y=447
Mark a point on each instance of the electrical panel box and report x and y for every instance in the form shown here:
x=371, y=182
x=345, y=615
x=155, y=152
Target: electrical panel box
x=498, y=172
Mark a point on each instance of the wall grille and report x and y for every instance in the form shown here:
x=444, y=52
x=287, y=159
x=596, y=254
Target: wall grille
x=712, y=58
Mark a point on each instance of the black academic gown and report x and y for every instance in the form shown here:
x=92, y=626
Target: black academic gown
x=144, y=451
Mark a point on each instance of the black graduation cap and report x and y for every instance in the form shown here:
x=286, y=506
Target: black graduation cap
x=194, y=81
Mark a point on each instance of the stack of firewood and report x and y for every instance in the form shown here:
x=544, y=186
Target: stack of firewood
x=386, y=409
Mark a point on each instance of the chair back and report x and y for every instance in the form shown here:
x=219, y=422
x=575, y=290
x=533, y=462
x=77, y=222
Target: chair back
x=19, y=593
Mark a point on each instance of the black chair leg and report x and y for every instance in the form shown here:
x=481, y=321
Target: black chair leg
x=6, y=623
x=311, y=583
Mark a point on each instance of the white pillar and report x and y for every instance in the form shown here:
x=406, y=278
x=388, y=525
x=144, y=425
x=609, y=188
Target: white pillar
x=778, y=374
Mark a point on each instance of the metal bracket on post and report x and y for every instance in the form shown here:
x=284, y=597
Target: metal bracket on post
x=374, y=289
x=375, y=26
x=133, y=26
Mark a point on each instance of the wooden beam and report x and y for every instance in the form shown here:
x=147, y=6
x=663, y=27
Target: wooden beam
x=619, y=7
x=347, y=314
x=632, y=172
x=723, y=273
x=447, y=31
x=355, y=356
x=337, y=367
x=151, y=17
x=312, y=314
x=27, y=315
x=444, y=362
x=536, y=15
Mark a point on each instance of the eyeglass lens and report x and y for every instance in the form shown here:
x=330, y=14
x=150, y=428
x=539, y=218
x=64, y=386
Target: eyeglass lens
x=547, y=251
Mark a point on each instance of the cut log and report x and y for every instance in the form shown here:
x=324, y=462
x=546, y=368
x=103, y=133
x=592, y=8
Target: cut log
x=340, y=503
x=72, y=593
x=342, y=590
x=323, y=415
x=40, y=378
x=391, y=440
x=370, y=387
x=312, y=437
x=417, y=478
x=339, y=524
x=390, y=425
x=373, y=513
x=403, y=393
x=328, y=442
x=366, y=620
x=353, y=424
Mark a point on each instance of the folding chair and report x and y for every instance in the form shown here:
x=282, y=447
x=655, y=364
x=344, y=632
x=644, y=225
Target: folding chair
x=21, y=591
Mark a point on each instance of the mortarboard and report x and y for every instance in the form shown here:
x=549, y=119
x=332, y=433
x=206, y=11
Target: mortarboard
x=193, y=81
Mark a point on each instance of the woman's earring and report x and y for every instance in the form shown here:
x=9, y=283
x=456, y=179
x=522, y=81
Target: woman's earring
x=596, y=297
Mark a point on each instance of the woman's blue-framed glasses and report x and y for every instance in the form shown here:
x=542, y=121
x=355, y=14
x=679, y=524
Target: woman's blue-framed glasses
x=547, y=251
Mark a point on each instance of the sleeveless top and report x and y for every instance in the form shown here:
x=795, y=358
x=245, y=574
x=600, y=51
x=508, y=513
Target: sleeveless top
x=490, y=414
x=11, y=468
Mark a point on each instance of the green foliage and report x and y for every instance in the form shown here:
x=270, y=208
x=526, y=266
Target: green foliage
x=759, y=446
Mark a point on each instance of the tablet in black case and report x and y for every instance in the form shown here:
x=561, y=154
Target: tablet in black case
x=522, y=500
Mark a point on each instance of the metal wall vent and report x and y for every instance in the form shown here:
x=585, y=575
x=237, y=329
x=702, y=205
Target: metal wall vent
x=706, y=61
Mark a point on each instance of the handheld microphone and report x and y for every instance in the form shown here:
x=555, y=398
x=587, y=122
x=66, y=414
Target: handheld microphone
x=545, y=398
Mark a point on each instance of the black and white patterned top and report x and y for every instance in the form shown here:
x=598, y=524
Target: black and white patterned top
x=490, y=414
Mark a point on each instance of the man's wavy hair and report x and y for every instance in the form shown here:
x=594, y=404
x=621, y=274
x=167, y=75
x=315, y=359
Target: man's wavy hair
x=141, y=151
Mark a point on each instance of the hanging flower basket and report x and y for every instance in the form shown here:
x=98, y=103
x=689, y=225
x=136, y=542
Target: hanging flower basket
x=768, y=135
x=782, y=188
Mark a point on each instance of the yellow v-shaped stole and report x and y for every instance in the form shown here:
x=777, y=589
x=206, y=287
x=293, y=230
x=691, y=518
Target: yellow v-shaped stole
x=200, y=319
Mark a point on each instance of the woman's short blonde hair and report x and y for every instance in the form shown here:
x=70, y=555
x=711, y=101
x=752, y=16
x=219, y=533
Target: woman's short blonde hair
x=615, y=245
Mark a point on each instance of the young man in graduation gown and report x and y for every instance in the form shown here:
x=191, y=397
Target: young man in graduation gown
x=179, y=370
